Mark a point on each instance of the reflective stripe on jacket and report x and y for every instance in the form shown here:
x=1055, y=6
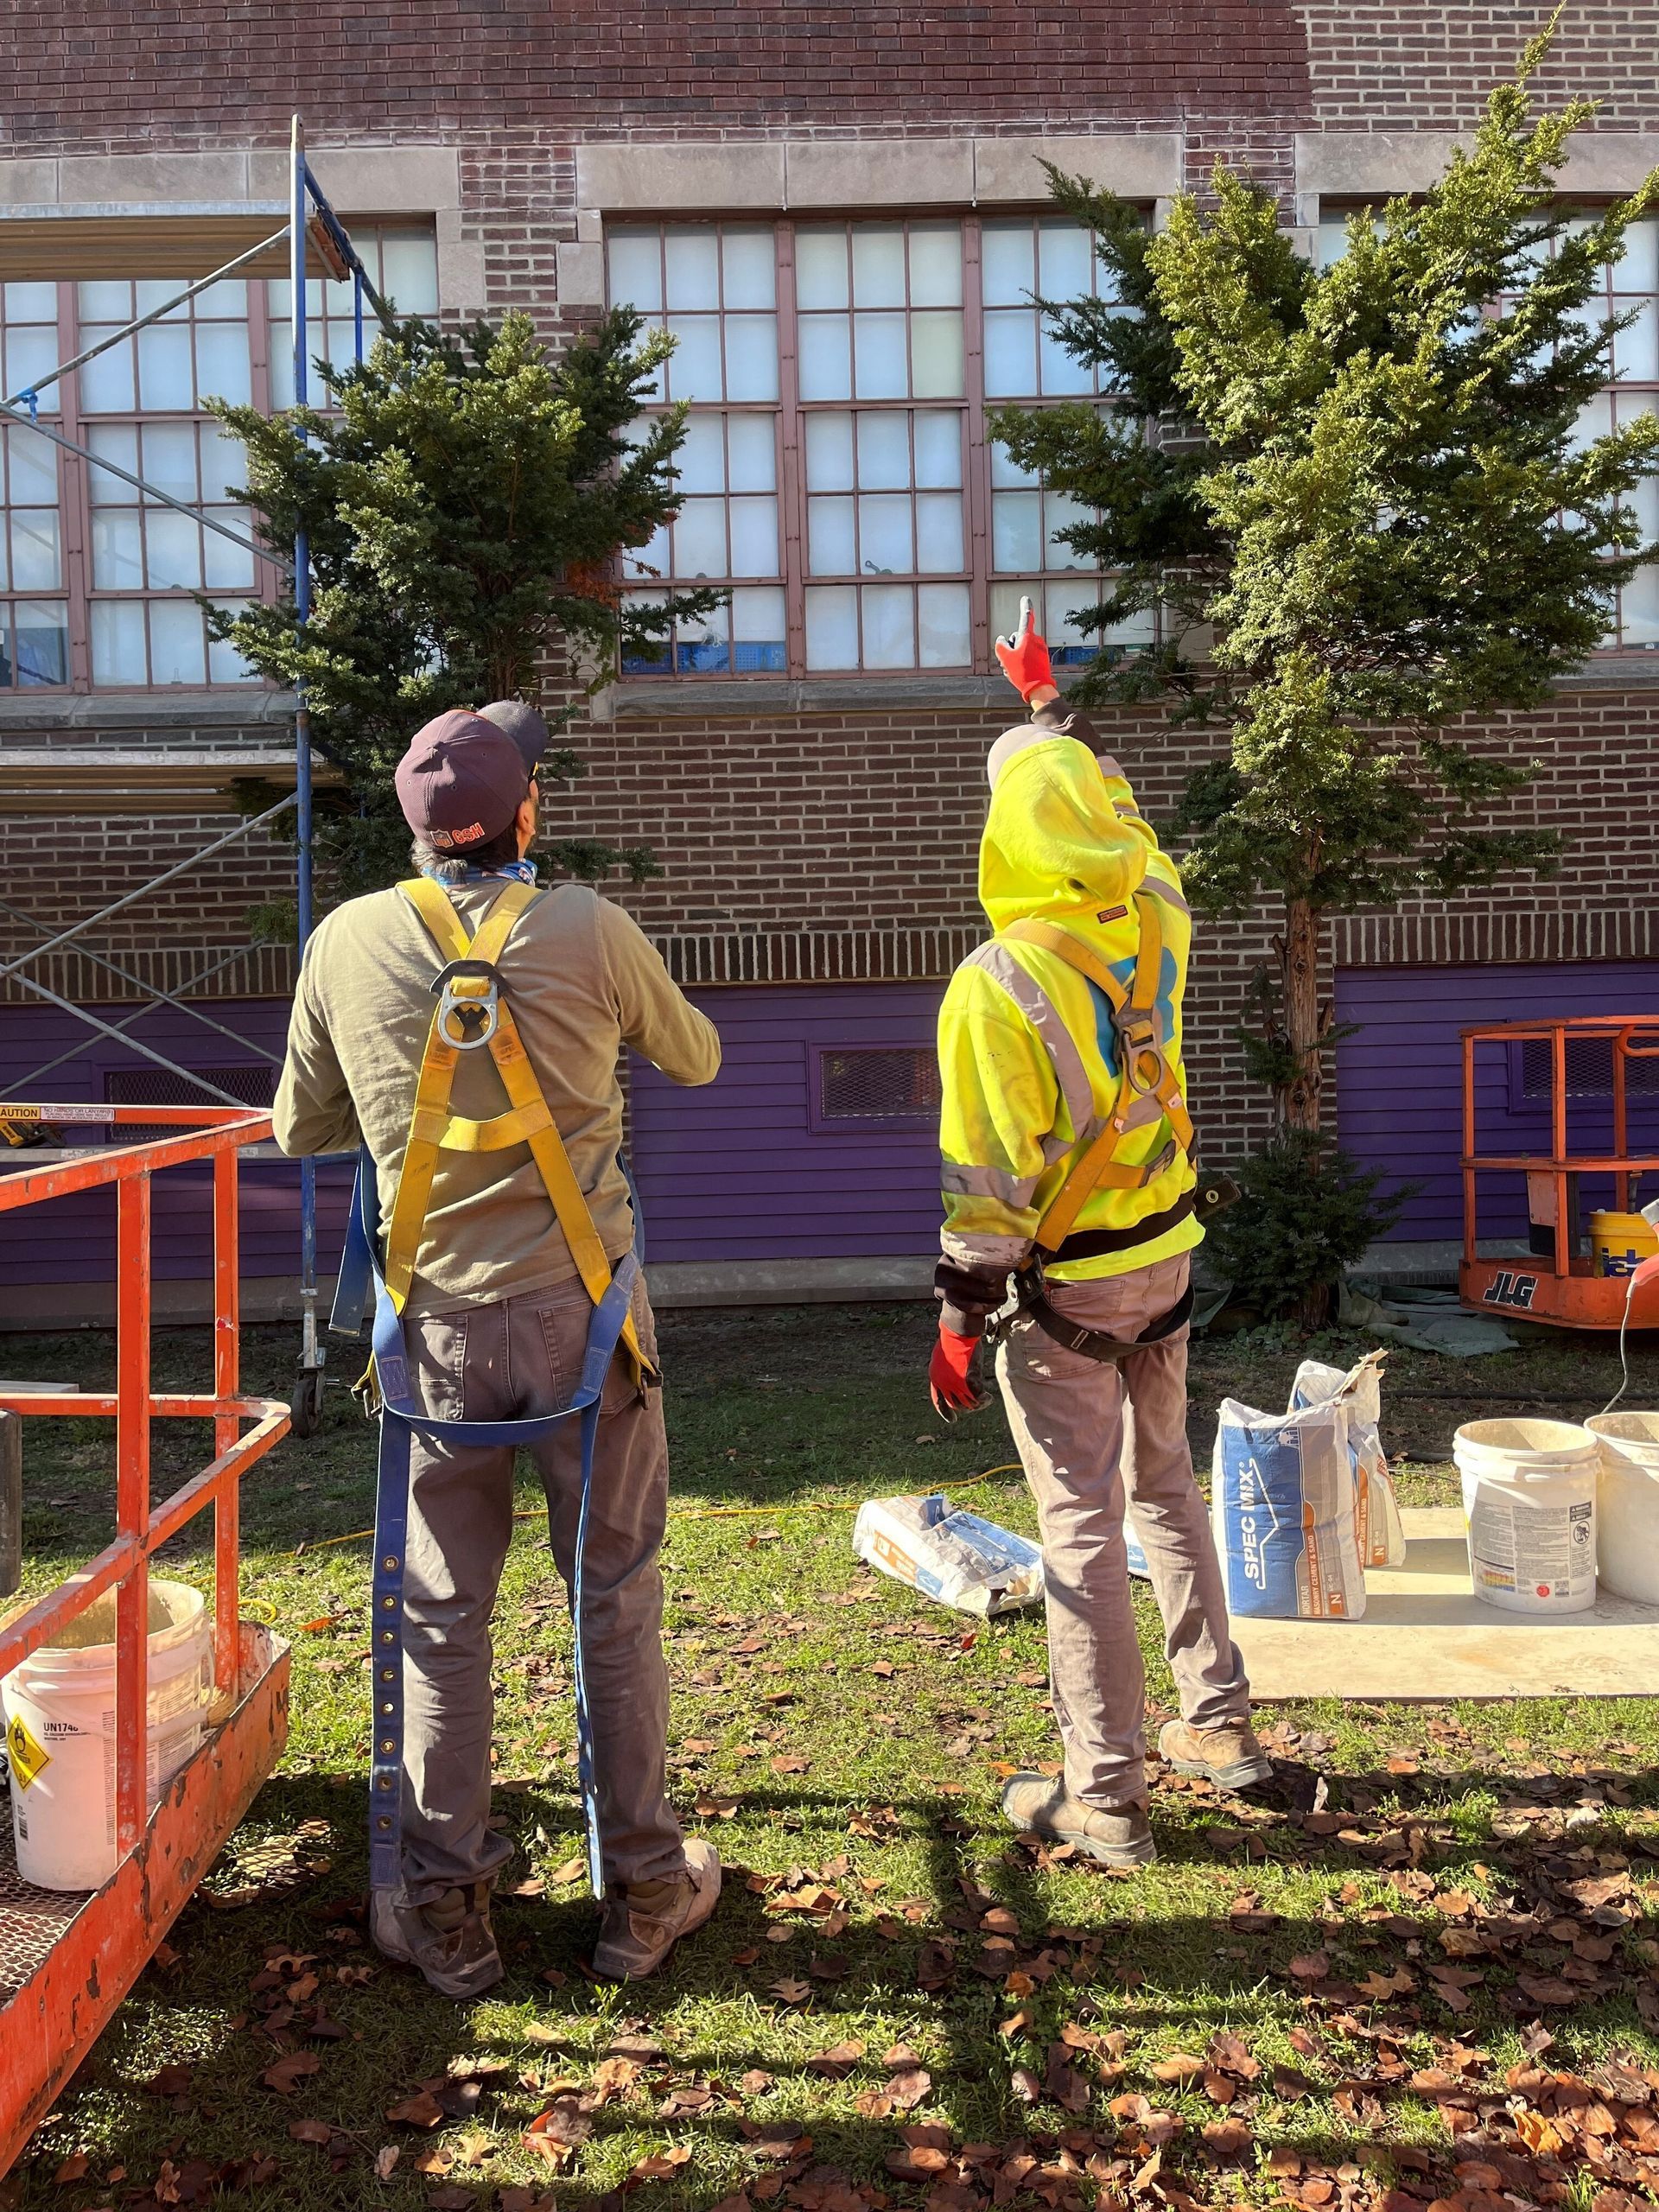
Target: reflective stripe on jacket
x=1028, y=1050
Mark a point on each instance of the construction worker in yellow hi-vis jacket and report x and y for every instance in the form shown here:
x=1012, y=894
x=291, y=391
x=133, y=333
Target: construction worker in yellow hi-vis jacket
x=1069, y=1167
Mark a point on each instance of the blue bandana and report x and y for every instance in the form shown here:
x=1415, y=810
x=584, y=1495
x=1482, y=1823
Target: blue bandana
x=519, y=871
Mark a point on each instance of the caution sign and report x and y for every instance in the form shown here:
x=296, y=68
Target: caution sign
x=29, y=1759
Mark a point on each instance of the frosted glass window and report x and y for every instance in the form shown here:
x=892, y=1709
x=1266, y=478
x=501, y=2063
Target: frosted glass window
x=826, y=357
x=693, y=262
x=883, y=452
x=1060, y=512
x=889, y=625
x=750, y=264
x=165, y=383
x=1640, y=609
x=169, y=457
x=884, y=534
x=178, y=643
x=119, y=442
x=751, y=357
x=935, y=265
x=118, y=635
x=754, y=537
x=173, y=550
x=1005, y=471
x=879, y=357
x=832, y=626
x=941, y=625
x=701, y=460
x=1064, y=261
x=1639, y=269
x=1063, y=375
x=937, y=356
x=32, y=353
x=33, y=469
x=938, y=531
x=821, y=274
x=830, y=549
x=694, y=370
x=1016, y=531
x=35, y=560
x=829, y=453
x=758, y=629
x=1636, y=351
x=224, y=566
x=751, y=452
x=224, y=463
x=878, y=265
x=106, y=385
x=703, y=643
x=1008, y=264
x=938, y=447
x=222, y=363
x=1595, y=421
x=650, y=559
x=31, y=302
x=1010, y=353
x=227, y=665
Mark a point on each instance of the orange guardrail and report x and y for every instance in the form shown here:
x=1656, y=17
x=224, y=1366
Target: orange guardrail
x=56, y=1996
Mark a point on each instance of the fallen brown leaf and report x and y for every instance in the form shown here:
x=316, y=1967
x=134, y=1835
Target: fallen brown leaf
x=421, y=2110
x=285, y=2075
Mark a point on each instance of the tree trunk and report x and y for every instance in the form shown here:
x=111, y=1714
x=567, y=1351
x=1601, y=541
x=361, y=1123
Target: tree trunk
x=1301, y=957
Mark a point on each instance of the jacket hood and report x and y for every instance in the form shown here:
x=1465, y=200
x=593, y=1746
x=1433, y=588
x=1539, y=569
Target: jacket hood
x=1053, y=840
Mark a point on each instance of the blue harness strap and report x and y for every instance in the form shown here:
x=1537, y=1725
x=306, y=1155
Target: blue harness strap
x=400, y=1418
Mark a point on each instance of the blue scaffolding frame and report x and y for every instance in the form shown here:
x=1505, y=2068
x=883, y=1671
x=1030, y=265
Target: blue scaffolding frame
x=312, y=225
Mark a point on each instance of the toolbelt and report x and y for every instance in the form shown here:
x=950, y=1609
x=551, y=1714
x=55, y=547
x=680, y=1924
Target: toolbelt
x=470, y=1016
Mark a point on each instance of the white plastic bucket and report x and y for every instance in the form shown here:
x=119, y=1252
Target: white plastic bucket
x=1529, y=1507
x=59, y=1713
x=1627, y=1504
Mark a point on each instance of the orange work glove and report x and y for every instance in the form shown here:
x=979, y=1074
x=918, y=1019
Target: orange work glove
x=1025, y=658
x=951, y=1375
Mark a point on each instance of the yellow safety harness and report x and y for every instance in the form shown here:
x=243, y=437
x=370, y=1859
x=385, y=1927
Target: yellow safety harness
x=471, y=1014
x=1146, y=1072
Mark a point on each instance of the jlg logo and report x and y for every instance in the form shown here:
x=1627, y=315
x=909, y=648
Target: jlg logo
x=1507, y=1289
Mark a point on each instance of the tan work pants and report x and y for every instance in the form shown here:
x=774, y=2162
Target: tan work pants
x=1087, y=1433
x=508, y=1362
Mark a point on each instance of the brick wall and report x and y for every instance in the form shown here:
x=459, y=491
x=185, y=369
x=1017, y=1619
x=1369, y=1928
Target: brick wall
x=87, y=75
x=1419, y=64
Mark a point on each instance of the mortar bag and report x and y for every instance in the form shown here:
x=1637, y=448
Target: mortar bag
x=1135, y=1550
x=962, y=1561
x=1378, y=1528
x=1282, y=1499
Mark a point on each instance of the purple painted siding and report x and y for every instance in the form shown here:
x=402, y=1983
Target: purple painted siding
x=737, y=1171
x=1400, y=1081
x=71, y=1240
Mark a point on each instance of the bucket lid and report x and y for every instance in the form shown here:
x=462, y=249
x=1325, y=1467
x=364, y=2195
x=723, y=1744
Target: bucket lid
x=1530, y=1442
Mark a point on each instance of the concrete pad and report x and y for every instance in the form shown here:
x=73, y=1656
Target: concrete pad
x=1427, y=1635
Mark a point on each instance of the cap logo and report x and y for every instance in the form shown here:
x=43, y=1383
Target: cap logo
x=470, y=835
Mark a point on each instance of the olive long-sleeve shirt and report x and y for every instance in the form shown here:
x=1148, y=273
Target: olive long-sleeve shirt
x=582, y=980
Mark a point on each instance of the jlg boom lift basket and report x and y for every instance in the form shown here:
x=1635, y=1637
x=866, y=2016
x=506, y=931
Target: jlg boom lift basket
x=66, y=1960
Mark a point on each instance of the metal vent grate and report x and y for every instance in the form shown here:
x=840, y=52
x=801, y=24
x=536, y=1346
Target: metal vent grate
x=883, y=1083
x=1589, y=1070
x=253, y=1083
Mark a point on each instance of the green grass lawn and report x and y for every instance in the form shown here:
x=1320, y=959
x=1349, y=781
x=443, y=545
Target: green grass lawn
x=1329, y=1997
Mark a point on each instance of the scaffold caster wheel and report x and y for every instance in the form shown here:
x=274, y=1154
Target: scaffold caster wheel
x=305, y=1406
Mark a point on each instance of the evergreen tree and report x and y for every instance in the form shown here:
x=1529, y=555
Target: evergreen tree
x=1360, y=498
x=467, y=499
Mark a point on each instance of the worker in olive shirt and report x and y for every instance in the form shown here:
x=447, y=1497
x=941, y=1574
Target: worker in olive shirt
x=1066, y=1143
x=496, y=1324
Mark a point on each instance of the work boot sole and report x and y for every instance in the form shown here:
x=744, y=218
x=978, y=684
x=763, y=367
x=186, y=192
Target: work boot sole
x=388, y=1940
x=1141, y=1852
x=1242, y=1774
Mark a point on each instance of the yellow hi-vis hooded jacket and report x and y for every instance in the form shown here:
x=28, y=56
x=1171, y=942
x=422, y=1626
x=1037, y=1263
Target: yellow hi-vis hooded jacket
x=1028, y=1055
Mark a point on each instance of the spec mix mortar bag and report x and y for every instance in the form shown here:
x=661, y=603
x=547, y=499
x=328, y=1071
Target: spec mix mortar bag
x=963, y=1561
x=1378, y=1528
x=1283, y=1501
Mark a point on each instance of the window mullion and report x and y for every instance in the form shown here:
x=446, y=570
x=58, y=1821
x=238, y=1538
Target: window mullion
x=76, y=494
x=791, y=487
x=976, y=473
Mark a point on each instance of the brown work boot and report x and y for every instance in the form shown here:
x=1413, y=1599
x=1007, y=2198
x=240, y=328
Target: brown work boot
x=643, y=1922
x=1229, y=1755
x=449, y=1939
x=1117, y=1836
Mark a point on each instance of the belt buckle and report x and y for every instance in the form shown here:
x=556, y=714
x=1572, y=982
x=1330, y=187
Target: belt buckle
x=468, y=994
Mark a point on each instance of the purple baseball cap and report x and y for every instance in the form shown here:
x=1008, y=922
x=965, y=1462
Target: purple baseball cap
x=460, y=782
x=523, y=725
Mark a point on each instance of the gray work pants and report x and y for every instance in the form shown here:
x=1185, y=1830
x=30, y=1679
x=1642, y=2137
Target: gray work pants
x=1086, y=1431
x=509, y=1361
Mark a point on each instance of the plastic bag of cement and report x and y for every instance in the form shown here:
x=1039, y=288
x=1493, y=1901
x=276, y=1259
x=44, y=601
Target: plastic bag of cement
x=965, y=1562
x=1283, y=1504
x=1378, y=1528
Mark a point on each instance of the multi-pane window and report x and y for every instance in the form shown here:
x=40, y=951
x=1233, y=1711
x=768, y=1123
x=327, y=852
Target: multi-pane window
x=836, y=477
x=101, y=584
x=1628, y=287
x=404, y=267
